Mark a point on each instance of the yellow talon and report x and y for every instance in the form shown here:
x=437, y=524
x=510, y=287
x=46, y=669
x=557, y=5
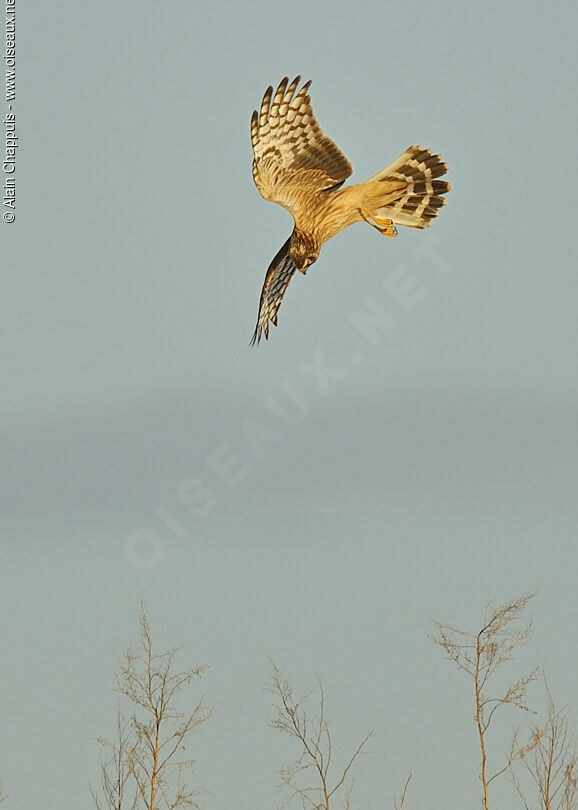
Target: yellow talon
x=384, y=226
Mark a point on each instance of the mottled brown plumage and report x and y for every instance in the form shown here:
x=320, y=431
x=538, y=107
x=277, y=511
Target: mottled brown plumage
x=300, y=168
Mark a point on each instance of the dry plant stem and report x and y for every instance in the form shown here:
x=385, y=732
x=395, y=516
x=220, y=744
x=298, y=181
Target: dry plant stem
x=480, y=655
x=145, y=753
x=314, y=737
x=550, y=760
x=404, y=793
x=115, y=771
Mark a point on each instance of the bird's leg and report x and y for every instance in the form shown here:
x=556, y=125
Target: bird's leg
x=384, y=226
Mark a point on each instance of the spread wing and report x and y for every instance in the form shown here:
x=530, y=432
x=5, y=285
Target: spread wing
x=292, y=157
x=277, y=280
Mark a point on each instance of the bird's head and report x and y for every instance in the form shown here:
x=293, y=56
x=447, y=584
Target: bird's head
x=304, y=249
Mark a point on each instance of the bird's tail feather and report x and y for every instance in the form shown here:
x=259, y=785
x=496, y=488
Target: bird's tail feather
x=408, y=191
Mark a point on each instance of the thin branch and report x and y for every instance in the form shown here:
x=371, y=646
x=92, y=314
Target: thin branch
x=315, y=742
x=550, y=760
x=350, y=763
x=480, y=655
x=403, y=795
x=145, y=753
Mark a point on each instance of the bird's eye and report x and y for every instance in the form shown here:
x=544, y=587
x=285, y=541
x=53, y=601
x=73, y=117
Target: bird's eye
x=311, y=259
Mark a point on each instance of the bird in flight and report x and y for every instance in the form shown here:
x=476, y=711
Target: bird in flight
x=300, y=168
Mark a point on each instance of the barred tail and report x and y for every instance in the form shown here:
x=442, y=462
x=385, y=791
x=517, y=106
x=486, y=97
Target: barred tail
x=408, y=191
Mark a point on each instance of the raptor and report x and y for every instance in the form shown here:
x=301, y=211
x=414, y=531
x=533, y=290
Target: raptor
x=300, y=168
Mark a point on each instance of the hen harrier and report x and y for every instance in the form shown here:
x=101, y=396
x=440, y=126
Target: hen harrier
x=300, y=168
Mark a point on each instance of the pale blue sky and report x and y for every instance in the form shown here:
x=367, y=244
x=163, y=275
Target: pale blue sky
x=435, y=468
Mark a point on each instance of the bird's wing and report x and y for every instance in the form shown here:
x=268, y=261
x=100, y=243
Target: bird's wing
x=292, y=157
x=277, y=280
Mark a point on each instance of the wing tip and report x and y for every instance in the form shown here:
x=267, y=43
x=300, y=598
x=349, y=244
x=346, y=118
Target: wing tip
x=259, y=332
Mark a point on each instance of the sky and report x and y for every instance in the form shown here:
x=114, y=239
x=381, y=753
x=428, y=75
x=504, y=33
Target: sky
x=320, y=498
